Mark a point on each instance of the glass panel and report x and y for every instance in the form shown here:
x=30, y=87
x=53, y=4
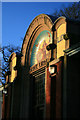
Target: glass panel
x=40, y=90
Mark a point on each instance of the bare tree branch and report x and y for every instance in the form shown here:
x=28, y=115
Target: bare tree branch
x=72, y=11
x=6, y=52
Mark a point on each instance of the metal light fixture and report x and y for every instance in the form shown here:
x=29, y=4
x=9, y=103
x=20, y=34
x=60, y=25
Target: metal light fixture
x=52, y=69
x=51, y=46
x=70, y=36
x=4, y=91
x=65, y=36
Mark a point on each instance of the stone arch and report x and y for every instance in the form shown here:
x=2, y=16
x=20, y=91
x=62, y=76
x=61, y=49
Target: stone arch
x=57, y=23
x=12, y=56
x=41, y=22
x=12, y=64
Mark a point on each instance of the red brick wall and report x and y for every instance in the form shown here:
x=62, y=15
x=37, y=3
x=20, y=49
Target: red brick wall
x=53, y=93
x=58, y=90
x=47, y=93
x=3, y=107
x=8, y=103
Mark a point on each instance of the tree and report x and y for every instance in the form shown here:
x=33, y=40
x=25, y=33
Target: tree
x=6, y=52
x=72, y=11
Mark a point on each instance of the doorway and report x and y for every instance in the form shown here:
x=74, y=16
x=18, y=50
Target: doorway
x=53, y=98
x=39, y=96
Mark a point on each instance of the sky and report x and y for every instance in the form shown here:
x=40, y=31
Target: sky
x=17, y=16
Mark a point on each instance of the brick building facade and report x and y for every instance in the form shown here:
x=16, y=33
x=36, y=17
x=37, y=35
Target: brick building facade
x=44, y=79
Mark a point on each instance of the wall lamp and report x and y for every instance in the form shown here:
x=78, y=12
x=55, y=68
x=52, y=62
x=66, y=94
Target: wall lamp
x=65, y=36
x=51, y=46
x=5, y=91
x=52, y=69
x=70, y=36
